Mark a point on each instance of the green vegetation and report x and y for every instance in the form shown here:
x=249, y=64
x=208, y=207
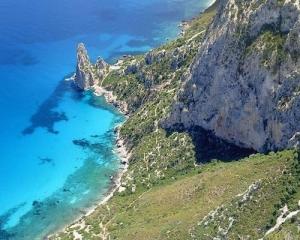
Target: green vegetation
x=271, y=44
x=289, y=230
x=165, y=194
x=175, y=208
x=168, y=63
x=254, y=216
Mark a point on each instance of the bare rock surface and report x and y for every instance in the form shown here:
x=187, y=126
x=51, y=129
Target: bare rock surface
x=87, y=74
x=244, y=84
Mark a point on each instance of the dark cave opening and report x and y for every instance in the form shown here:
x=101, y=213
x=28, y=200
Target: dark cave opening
x=209, y=147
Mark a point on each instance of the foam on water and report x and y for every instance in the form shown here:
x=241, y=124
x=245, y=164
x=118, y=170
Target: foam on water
x=56, y=153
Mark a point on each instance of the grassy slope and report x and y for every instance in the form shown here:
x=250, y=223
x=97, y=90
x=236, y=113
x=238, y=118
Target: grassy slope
x=173, y=209
x=166, y=195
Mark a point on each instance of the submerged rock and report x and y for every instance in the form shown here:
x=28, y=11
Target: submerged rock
x=45, y=161
x=82, y=143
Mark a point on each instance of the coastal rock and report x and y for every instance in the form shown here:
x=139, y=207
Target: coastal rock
x=149, y=58
x=244, y=84
x=85, y=76
x=102, y=69
x=89, y=75
x=154, y=56
x=178, y=57
x=132, y=68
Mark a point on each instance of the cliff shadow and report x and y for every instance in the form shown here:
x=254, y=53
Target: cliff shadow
x=209, y=147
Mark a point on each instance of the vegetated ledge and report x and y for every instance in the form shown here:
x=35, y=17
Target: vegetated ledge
x=164, y=194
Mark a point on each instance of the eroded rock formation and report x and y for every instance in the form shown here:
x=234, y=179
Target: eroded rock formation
x=87, y=74
x=244, y=84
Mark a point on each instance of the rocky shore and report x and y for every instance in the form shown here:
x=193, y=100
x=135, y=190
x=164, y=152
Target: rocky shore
x=86, y=79
x=115, y=186
x=90, y=76
x=165, y=195
x=111, y=99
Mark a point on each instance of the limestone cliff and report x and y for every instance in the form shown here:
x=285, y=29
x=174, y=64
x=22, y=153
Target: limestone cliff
x=87, y=74
x=244, y=84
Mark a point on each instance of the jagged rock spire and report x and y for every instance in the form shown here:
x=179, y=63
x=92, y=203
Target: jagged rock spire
x=87, y=74
x=84, y=78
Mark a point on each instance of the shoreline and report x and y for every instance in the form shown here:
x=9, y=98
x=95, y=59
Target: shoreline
x=124, y=155
x=120, y=150
x=120, y=145
x=115, y=185
x=110, y=98
x=185, y=24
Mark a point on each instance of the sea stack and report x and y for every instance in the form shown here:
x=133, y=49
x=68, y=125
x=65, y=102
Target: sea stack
x=84, y=78
x=87, y=74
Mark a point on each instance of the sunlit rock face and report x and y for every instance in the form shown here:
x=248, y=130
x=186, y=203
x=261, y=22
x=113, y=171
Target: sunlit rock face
x=87, y=74
x=244, y=85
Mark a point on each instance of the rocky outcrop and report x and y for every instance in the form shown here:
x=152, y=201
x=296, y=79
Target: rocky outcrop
x=102, y=69
x=244, y=84
x=84, y=78
x=87, y=74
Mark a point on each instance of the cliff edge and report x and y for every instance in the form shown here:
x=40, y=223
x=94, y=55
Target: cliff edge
x=168, y=189
x=244, y=84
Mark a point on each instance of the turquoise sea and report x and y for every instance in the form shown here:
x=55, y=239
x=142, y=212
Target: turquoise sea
x=57, y=144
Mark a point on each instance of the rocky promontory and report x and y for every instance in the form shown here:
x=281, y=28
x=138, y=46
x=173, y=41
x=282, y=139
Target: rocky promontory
x=237, y=80
x=87, y=74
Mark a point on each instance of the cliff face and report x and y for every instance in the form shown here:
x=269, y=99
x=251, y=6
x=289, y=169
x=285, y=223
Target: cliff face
x=87, y=74
x=237, y=200
x=244, y=85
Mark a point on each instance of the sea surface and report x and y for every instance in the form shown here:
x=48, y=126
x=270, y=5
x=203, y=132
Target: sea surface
x=56, y=143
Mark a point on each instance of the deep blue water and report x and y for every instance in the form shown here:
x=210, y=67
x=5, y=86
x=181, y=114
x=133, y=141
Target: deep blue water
x=57, y=144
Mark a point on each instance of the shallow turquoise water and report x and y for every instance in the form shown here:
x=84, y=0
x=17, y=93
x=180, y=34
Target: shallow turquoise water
x=56, y=152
